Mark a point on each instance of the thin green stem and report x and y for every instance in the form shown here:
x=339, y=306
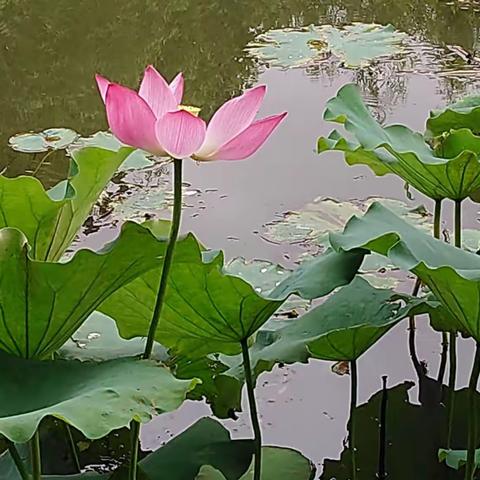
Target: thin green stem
x=42, y=161
x=134, y=436
x=162, y=288
x=257, y=433
x=167, y=263
x=458, y=223
x=470, y=467
x=437, y=218
x=452, y=336
x=73, y=448
x=382, y=449
x=18, y=461
x=35, y=457
x=353, y=405
x=452, y=380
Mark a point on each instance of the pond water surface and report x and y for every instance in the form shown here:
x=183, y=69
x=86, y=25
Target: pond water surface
x=50, y=52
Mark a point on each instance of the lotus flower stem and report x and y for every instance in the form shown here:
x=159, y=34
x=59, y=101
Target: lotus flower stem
x=167, y=263
x=35, y=457
x=18, y=461
x=353, y=405
x=253, y=410
x=176, y=219
x=473, y=416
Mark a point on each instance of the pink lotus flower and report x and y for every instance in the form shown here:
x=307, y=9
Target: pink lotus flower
x=232, y=133
x=154, y=120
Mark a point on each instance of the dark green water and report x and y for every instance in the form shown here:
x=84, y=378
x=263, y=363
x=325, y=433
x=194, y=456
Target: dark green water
x=50, y=51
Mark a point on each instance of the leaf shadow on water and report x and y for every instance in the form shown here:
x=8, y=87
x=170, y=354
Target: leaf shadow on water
x=414, y=434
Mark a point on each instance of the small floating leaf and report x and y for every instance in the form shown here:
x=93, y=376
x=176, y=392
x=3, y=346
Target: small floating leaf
x=98, y=340
x=49, y=139
x=136, y=160
x=310, y=226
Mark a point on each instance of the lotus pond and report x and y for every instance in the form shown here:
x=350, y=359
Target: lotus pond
x=191, y=295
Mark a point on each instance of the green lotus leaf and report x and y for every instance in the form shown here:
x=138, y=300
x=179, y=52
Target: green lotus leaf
x=344, y=327
x=43, y=303
x=206, y=442
x=50, y=220
x=277, y=463
x=457, y=458
x=452, y=274
x=95, y=398
x=208, y=311
x=397, y=149
x=222, y=392
x=462, y=114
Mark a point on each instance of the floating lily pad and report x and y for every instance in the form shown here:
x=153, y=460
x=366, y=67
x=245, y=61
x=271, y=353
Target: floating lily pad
x=265, y=276
x=289, y=48
x=136, y=160
x=38, y=142
x=310, y=227
x=360, y=43
x=98, y=339
x=355, y=45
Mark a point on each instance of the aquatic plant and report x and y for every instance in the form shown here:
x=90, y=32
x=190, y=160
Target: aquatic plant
x=203, y=328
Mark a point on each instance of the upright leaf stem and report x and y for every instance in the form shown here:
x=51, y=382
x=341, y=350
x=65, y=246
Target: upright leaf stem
x=452, y=336
x=162, y=288
x=353, y=405
x=18, y=461
x=35, y=457
x=470, y=467
x=252, y=404
x=73, y=448
x=382, y=449
x=437, y=218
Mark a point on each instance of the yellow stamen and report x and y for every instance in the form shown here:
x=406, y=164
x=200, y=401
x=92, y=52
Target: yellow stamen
x=190, y=109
